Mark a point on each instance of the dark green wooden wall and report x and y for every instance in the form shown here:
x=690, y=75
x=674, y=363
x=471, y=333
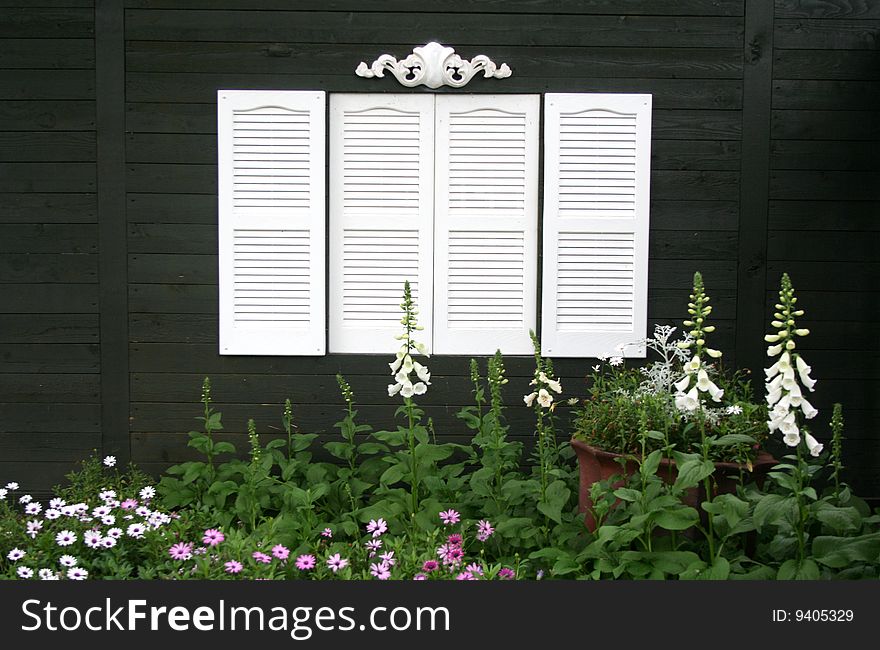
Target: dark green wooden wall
x=765, y=134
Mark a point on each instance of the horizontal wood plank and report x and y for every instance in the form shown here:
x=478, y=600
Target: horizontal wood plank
x=50, y=146
x=48, y=387
x=24, y=268
x=182, y=88
x=49, y=357
x=47, y=115
x=862, y=216
x=842, y=34
x=62, y=298
x=48, y=328
x=599, y=7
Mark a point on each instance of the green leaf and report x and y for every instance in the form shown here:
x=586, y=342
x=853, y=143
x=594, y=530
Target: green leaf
x=225, y=448
x=692, y=472
x=341, y=450
x=651, y=463
x=839, y=552
x=393, y=438
x=555, y=498
x=273, y=444
x=719, y=570
x=193, y=471
x=677, y=519
x=840, y=519
x=733, y=439
x=371, y=448
x=393, y=474
x=775, y=509
x=655, y=435
x=513, y=527
x=627, y=494
x=792, y=570
x=758, y=573
x=214, y=423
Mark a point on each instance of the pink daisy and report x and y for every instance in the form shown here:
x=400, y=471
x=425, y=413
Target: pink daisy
x=305, y=562
x=420, y=576
x=377, y=527
x=212, y=537
x=261, y=557
x=128, y=504
x=450, y=517
x=232, y=567
x=430, y=565
x=336, y=562
x=484, y=530
x=179, y=551
x=327, y=533
x=380, y=571
x=388, y=558
x=454, y=539
x=506, y=574
x=281, y=552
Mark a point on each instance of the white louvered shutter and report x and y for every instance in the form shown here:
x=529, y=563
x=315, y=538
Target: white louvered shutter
x=381, y=217
x=597, y=151
x=486, y=223
x=271, y=222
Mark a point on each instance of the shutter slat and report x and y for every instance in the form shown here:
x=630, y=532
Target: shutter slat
x=596, y=197
x=271, y=222
x=485, y=264
x=381, y=217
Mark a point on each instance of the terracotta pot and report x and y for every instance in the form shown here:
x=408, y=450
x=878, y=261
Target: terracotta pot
x=598, y=465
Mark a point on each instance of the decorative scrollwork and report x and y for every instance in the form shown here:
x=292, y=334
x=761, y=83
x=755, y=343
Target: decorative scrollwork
x=433, y=65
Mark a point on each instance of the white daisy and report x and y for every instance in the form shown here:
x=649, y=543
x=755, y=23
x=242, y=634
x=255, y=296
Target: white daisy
x=15, y=555
x=77, y=573
x=65, y=538
x=67, y=561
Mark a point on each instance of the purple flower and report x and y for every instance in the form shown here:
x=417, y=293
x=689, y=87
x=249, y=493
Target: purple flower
x=484, y=530
x=377, y=527
x=336, y=562
x=232, y=567
x=373, y=546
x=420, y=576
x=474, y=569
x=465, y=575
x=180, y=551
x=212, y=537
x=388, y=558
x=450, y=517
x=506, y=574
x=381, y=571
x=128, y=504
x=281, y=552
x=327, y=533
x=261, y=557
x=305, y=562
x=450, y=554
x=430, y=565
x=454, y=539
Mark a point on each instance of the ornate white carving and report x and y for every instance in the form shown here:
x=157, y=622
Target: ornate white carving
x=433, y=65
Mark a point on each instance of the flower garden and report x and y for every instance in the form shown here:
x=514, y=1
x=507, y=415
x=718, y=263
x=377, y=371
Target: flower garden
x=407, y=505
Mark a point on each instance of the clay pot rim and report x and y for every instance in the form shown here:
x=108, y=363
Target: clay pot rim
x=763, y=459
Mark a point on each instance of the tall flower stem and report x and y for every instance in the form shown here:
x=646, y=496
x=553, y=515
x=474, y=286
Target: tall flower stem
x=707, y=487
x=411, y=439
